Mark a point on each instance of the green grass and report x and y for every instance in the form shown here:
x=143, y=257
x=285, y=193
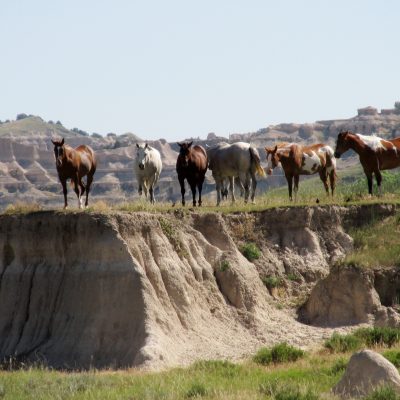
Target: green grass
x=393, y=356
x=376, y=244
x=272, y=281
x=383, y=393
x=250, y=251
x=279, y=353
x=363, y=337
x=343, y=343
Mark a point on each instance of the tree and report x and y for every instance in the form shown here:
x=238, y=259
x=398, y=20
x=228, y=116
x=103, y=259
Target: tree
x=21, y=116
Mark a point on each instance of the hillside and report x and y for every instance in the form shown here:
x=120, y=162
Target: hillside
x=27, y=171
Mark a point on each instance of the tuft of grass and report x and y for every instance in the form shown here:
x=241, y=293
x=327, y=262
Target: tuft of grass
x=99, y=206
x=173, y=236
x=279, y=353
x=280, y=391
x=393, y=356
x=224, y=265
x=379, y=336
x=376, y=244
x=22, y=208
x=339, y=366
x=196, y=389
x=343, y=343
x=250, y=251
x=272, y=281
x=383, y=393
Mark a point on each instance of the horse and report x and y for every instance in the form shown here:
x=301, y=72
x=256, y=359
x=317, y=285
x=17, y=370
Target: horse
x=235, y=160
x=148, y=167
x=376, y=154
x=191, y=165
x=74, y=164
x=299, y=160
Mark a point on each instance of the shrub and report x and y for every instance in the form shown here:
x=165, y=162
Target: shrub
x=250, y=251
x=342, y=343
x=393, y=356
x=375, y=336
x=197, y=389
x=383, y=393
x=339, y=366
x=224, y=265
x=272, y=281
x=280, y=353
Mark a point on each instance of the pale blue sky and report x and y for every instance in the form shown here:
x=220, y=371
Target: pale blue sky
x=175, y=69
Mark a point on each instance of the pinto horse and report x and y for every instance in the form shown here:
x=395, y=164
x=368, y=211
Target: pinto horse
x=74, y=164
x=376, y=154
x=299, y=160
x=191, y=165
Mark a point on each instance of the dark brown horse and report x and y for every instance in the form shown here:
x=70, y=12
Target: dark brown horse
x=74, y=164
x=192, y=166
x=376, y=154
x=299, y=160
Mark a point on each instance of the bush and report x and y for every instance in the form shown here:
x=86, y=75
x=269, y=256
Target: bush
x=250, y=251
x=21, y=116
x=342, y=343
x=278, y=354
x=272, y=281
x=224, y=265
x=383, y=336
x=383, y=393
x=196, y=390
x=393, y=356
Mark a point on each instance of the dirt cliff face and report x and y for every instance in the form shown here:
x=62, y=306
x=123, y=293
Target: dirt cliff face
x=117, y=290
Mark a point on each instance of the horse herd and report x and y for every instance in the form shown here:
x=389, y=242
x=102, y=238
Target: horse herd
x=238, y=162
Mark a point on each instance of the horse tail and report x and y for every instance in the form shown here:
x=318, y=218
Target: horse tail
x=255, y=159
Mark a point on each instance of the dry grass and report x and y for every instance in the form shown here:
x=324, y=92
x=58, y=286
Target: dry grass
x=22, y=208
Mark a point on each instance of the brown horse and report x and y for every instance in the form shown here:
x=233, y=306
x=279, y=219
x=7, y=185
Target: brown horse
x=74, y=164
x=299, y=160
x=192, y=166
x=376, y=154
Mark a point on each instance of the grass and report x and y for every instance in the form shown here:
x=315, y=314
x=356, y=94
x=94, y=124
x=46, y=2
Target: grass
x=393, y=356
x=279, y=353
x=170, y=231
x=224, y=265
x=272, y=281
x=383, y=393
x=250, y=251
x=363, y=337
x=376, y=244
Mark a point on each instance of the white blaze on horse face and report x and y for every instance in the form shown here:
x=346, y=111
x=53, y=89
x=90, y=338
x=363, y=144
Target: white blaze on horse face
x=373, y=142
x=311, y=163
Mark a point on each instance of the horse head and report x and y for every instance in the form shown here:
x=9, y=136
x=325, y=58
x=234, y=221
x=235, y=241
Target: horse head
x=142, y=155
x=184, y=153
x=59, y=151
x=272, y=158
x=342, y=143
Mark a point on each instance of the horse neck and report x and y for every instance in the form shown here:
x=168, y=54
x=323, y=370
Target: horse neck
x=356, y=144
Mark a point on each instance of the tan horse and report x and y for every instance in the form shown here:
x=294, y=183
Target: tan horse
x=376, y=154
x=299, y=160
x=74, y=164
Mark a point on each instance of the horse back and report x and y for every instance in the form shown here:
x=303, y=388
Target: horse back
x=199, y=157
x=87, y=157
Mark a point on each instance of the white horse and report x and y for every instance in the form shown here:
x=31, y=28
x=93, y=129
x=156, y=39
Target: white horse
x=148, y=168
x=235, y=160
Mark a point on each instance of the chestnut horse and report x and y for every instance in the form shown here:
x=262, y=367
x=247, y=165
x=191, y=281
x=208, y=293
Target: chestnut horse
x=74, y=164
x=376, y=154
x=299, y=160
x=192, y=166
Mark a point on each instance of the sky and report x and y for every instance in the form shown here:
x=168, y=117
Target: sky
x=183, y=68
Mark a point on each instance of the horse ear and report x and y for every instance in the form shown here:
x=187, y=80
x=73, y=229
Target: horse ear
x=137, y=145
x=52, y=141
x=189, y=144
x=146, y=146
x=62, y=142
x=179, y=144
x=275, y=148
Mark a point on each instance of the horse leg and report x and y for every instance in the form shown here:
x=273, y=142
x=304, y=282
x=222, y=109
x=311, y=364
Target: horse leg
x=182, y=183
x=77, y=191
x=193, y=189
x=369, y=179
x=378, y=177
x=253, y=186
x=218, y=186
x=296, y=186
x=332, y=180
x=151, y=192
x=232, y=188
x=289, y=179
x=324, y=178
x=88, y=186
x=64, y=186
x=200, y=188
